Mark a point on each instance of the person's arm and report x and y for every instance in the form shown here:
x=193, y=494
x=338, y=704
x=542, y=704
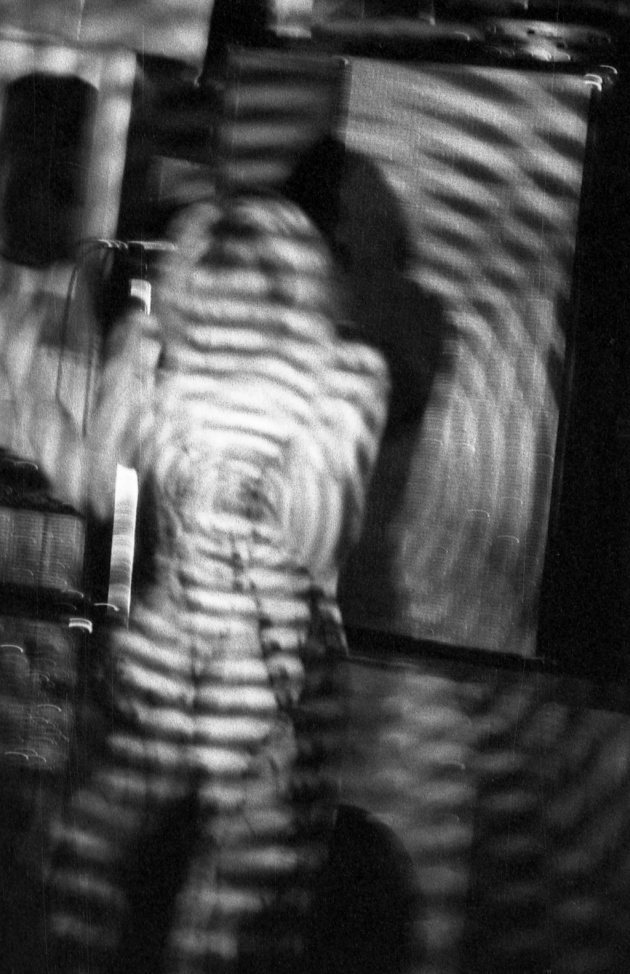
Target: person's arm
x=331, y=464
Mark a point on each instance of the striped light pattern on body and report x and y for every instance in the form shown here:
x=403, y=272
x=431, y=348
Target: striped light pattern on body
x=254, y=450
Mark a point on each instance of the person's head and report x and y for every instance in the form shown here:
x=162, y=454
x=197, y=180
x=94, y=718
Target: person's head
x=244, y=260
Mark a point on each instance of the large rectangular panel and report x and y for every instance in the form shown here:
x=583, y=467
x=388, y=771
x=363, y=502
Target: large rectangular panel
x=459, y=210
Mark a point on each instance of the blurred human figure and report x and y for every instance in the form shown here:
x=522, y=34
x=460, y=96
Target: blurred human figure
x=254, y=452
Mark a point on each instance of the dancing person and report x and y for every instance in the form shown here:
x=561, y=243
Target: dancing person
x=254, y=451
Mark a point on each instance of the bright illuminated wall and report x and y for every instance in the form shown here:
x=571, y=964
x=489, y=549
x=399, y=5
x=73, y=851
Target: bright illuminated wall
x=46, y=355
x=459, y=210
x=171, y=28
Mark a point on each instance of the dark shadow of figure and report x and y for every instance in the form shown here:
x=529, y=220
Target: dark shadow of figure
x=368, y=901
x=366, y=905
x=359, y=214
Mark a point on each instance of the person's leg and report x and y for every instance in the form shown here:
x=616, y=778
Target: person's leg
x=244, y=901
x=268, y=722
x=133, y=782
x=93, y=850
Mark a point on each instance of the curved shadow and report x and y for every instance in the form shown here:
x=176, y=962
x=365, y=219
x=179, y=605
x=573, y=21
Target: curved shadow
x=366, y=904
x=368, y=900
x=364, y=222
